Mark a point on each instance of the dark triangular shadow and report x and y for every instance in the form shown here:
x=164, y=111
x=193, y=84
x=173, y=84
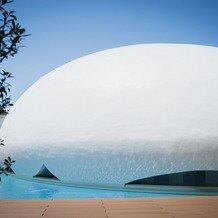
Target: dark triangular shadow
x=45, y=173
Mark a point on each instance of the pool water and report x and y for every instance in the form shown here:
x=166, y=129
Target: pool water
x=11, y=187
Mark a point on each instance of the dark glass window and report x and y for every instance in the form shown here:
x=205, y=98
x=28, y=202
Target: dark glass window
x=188, y=178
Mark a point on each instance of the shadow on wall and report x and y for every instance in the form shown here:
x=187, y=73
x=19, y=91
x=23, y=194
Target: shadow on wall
x=2, y=117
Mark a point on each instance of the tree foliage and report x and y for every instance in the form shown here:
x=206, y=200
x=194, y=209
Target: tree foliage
x=5, y=99
x=7, y=165
x=11, y=32
x=11, y=35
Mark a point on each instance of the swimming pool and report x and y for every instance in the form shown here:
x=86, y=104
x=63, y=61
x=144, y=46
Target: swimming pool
x=11, y=187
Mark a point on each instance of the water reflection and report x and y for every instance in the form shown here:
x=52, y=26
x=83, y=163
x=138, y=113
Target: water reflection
x=15, y=188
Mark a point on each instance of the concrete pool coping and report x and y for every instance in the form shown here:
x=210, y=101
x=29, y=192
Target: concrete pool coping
x=173, y=207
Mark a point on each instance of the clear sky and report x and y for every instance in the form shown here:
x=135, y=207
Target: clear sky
x=62, y=31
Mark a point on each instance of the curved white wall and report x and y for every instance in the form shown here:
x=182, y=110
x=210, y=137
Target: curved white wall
x=119, y=115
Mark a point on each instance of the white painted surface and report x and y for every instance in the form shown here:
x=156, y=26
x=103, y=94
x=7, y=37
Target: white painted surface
x=120, y=115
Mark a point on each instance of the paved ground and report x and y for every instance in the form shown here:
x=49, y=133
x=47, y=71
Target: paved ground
x=187, y=207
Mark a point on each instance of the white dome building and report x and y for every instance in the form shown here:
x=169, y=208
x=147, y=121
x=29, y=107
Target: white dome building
x=119, y=115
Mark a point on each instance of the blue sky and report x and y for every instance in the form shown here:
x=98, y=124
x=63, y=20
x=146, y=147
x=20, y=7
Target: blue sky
x=62, y=31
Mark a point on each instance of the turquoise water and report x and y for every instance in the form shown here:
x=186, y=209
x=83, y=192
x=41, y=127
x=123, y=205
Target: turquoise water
x=11, y=187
